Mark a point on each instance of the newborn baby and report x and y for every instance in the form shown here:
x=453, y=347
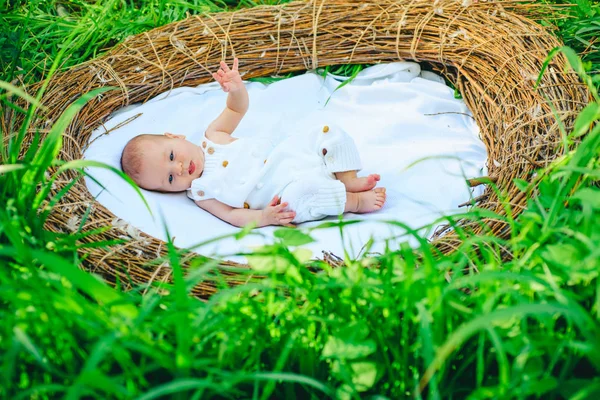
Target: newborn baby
x=306, y=177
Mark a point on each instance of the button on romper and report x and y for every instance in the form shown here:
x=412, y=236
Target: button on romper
x=300, y=170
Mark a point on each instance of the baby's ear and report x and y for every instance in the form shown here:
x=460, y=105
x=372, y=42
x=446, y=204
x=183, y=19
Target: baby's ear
x=172, y=136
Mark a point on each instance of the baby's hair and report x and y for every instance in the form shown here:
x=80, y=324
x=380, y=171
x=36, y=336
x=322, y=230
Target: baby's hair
x=133, y=154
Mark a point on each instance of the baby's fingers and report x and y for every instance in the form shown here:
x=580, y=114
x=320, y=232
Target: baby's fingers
x=286, y=215
x=274, y=201
x=281, y=207
x=235, y=64
x=225, y=66
x=286, y=220
x=218, y=78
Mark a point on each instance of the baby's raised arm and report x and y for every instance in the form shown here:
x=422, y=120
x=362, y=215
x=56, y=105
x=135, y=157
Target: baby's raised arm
x=237, y=99
x=274, y=214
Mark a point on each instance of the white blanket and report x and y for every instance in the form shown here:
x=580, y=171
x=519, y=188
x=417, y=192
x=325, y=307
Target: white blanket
x=398, y=116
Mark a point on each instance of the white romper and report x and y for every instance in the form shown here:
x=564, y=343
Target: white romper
x=300, y=170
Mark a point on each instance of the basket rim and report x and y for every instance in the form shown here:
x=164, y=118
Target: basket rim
x=489, y=51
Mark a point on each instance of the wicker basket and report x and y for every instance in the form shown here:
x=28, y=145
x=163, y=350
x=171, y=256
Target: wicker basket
x=491, y=51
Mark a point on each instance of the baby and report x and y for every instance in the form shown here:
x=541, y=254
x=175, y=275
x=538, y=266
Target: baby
x=305, y=177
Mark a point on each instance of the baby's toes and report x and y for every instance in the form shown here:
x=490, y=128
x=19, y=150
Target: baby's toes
x=373, y=179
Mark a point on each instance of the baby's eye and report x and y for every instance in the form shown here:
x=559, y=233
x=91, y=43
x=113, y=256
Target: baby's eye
x=170, y=178
x=171, y=156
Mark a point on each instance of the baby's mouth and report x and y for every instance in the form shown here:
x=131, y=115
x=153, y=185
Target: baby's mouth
x=192, y=168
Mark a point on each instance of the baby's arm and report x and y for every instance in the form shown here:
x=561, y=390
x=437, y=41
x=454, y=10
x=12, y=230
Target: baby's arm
x=274, y=214
x=237, y=100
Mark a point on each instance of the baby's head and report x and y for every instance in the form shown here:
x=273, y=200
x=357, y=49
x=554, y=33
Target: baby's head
x=164, y=163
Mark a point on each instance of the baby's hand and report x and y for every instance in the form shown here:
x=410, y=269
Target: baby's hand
x=276, y=214
x=229, y=79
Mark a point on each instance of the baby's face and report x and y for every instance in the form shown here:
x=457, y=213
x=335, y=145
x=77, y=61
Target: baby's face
x=170, y=163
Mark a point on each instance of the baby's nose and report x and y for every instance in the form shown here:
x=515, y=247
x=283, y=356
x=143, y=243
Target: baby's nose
x=180, y=168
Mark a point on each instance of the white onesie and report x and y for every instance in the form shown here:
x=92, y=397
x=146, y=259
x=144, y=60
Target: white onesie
x=300, y=170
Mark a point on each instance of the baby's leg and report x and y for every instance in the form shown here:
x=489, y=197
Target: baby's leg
x=314, y=197
x=365, y=202
x=356, y=184
x=341, y=158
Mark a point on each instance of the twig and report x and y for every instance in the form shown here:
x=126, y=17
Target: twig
x=532, y=161
x=482, y=180
x=474, y=200
x=452, y=112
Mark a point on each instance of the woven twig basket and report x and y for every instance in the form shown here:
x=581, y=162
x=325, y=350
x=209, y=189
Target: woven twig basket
x=492, y=51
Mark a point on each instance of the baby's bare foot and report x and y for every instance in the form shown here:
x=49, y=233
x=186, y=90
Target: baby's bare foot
x=367, y=201
x=361, y=184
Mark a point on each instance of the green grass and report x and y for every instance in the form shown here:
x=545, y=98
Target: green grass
x=579, y=28
x=35, y=31
x=386, y=327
